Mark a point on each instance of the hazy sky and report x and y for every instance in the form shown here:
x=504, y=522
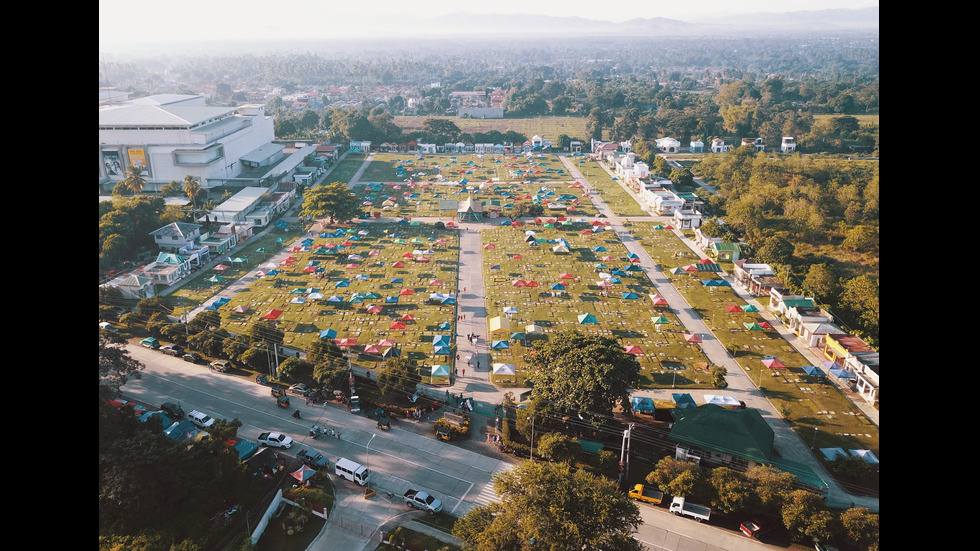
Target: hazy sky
x=184, y=20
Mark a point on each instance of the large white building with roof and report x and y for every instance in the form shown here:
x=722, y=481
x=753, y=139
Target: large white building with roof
x=171, y=136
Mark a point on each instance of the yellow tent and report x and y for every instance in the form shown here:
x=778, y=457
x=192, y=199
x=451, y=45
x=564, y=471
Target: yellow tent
x=499, y=325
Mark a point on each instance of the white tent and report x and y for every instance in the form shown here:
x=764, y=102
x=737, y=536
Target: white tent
x=533, y=329
x=723, y=401
x=504, y=369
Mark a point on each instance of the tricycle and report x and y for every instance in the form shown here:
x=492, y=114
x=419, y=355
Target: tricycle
x=282, y=399
x=262, y=379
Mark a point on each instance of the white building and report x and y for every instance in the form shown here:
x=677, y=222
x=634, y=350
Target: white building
x=668, y=145
x=628, y=168
x=173, y=136
x=788, y=145
x=718, y=146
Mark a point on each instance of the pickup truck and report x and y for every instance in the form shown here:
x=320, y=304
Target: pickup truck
x=422, y=500
x=649, y=495
x=698, y=512
x=275, y=439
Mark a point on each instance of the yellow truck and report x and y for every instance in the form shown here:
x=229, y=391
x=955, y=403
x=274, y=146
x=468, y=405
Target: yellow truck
x=649, y=495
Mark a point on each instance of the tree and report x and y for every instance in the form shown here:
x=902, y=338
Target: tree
x=771, y=487
x=822, y=281
x=399, y=375
x=333, y=201
x=583, y=373
x=205, y=320
x=801, y=514
x=192, y=188
x=679, y=478
x=860, y=298
x=133, y=183
x=860, y=527
x=440, y=130
x=115, y=364
x=732, y=491
x=777, y=250
x=551, y=506
x=295, y=369
x=556, y=446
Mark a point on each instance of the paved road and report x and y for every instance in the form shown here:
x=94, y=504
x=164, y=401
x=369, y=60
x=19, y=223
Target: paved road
x=475, y=381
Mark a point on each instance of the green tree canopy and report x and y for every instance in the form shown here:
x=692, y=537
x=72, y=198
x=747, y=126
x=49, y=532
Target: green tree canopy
x=551, y=506
x=583, y=373
x=333, y=201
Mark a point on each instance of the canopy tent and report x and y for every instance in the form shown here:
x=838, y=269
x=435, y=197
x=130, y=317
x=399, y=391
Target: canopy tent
x=500, y=345
x=723, y=401
x=658, y=300
x=441, y=340
x=684, y=401
x=328, y=334
x=659, y=320
x=734, y=308
x=504, y=369
x=831, y=454
x=303, y=473
x=372, y=349
x=813, y=371
x=442, y=351
x=519, y=336
x=867, y=455
x=773, y=363
x=587, y=319
x=510, y=310
x=630, y=296
x=643, y=404
x=392, y=353
x=439, y=371
x=499, y=324
x=386, y=342
x=272, y=315
x=534, y=329
x=842, y=373
x=633, y=349
x=692, y=338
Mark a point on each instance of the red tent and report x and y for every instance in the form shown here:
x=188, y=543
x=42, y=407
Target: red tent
x=773, y=363
x=273, y=314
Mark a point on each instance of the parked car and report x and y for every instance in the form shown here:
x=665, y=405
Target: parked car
x=172, y=349
x=200, y=420
x=150, y=342
x=300, y=388
x=313, y=459
x=220, y=365
x=173, y=410
x=192, y=357
x=756, y=527
x=275, y=440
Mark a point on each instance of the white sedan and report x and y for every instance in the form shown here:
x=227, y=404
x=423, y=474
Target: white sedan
x=275, y=439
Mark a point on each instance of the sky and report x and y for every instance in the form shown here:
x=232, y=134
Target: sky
x=193, y=20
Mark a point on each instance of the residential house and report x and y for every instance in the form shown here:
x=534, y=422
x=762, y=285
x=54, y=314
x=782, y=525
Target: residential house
x=137, y=286
x=718, y=146
x=167, y=269
x=426, y=148
x=628, y=168
x=757, y=143
x=575, y=146
x=177, y=235
x=668, y=145
x=757, y=279
x=814, y=334
x=704, y=241
x=780, y=302
x=711, y=435
x=859, y=359
x=688, y=218
x=602, y=151
x=788, y=145
x=697, y=146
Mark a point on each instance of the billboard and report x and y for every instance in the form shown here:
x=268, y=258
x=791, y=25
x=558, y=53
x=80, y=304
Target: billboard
x=137, y=158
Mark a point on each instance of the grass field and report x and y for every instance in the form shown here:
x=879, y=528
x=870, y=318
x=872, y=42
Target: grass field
x=546, y=127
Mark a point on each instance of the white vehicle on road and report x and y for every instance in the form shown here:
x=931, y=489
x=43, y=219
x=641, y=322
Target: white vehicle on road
x=275, y=440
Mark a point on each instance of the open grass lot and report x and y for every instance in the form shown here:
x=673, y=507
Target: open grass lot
x=610, y=190
x=806, y=404
x=407, y=186
x=511, y=264
x=546, y=127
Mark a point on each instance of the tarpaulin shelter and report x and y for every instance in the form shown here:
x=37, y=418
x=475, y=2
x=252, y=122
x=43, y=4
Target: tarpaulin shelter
x=587, y=319
x=504, y=369
x=684, y=400
x=643, y=404
x=499, y=325
x=303, y=473
x=773, y=363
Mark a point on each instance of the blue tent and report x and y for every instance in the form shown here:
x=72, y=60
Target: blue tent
x=684, y=401
x=587, y=319
x=642, y=404
x=630, y=296
x=328, y=334
x=442, y=351
x=440, y=340
x=500, y=345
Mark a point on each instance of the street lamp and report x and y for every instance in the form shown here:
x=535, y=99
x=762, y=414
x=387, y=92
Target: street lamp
x=814, y=445
x=531, y=419
x=367, y=456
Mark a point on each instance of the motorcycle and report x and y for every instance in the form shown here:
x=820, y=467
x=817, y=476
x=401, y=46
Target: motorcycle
x=296, y=414
x=315, y=431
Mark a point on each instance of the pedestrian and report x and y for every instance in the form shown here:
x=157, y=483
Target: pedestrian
x=477, y=366
x=464, y=369
x=467, y=361
x=464, y=289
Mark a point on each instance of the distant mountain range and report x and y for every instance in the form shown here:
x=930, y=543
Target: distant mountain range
x=865, y=19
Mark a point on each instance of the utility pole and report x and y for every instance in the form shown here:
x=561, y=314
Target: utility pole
x=623, y=457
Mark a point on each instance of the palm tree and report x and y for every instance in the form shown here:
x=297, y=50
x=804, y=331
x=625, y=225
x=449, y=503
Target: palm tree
x=134, y=182
x=192, y=188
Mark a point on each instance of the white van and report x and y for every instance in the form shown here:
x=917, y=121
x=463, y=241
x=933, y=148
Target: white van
x=351, y=471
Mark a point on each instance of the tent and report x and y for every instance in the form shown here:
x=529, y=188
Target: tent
x=442, y=351
x=273, y=314
x=441, y=340
x=734, y=308
x=397, y=325
x=499, y=324
x=504, y=369
x=643, y=404
x=510, y=310
x=345, y=343
x=773, y=363
x=830, y=454
x=372, y=349
x=439, y=371
x=392, y=353
x=500, y=345
x=534, y=329
x=813, y=371
x=386, y=342
x=658, y=300
x=518, y=336
x=587, y=319
x=867, y=455
x=630, y=296
x=303, y=473
x=633, y=349
x=842, y=373
x=684, y=401
x=659, y=320
x=723, y=401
